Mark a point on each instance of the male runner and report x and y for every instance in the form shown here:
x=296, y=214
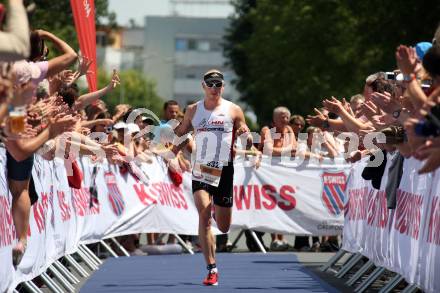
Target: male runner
x=216, y=122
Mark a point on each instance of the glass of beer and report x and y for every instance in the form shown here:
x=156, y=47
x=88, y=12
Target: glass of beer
x=17, y=120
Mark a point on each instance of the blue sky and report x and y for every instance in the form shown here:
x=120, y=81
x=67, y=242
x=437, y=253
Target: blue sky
x=137, y=9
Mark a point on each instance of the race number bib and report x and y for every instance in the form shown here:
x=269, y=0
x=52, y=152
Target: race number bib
x=209, y=173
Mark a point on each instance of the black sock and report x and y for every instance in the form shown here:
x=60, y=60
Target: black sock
x=211, y=267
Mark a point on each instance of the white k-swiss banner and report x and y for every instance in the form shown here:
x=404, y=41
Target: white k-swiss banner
x=405, y=240
x=274, y=198
x=355, y=219
x=429, y=250
x=7, y=231
x=410, y=217
x=282, y=197
x=378, y=222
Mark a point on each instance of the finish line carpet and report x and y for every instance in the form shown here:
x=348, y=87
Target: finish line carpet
x=238, y=272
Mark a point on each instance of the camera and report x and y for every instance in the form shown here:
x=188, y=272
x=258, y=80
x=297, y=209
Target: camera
x=108, y=129
x=390, y=75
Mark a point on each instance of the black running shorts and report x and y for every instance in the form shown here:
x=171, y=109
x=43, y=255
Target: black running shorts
x=223, y=194
x=19, y=170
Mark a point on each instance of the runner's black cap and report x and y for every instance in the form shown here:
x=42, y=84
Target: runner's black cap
x=213, y=75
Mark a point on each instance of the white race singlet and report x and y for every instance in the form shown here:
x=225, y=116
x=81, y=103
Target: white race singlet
x=213, y=133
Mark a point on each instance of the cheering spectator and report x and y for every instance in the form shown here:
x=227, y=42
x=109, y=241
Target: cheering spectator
x=297, y=123
x=278, y=141
x=356, y=103
x=171, y=110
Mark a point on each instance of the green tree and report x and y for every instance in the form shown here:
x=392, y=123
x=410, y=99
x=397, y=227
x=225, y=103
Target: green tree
x=297, y=52
x=239, y=32
x=135, y=89
x=57, y=17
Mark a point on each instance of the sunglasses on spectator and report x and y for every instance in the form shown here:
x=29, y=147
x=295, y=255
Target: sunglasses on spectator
x=211, y=84
x=45, y=52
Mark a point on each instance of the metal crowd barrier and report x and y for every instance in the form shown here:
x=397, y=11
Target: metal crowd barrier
x=363, y=277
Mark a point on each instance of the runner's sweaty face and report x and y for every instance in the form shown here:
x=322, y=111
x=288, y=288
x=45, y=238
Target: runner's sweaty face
x=214, y=91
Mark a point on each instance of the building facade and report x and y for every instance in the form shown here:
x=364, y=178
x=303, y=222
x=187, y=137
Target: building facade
x=174, y=51
x=178, y=50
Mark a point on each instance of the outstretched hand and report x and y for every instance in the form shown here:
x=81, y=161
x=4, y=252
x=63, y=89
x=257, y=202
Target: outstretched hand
x=333, y=105
x=114, y=81
x=84, y=65
x=406, y=59
x=316, y=120
x=385, y=102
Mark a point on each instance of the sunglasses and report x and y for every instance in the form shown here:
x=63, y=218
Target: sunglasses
x=211, y=84
x=44, y=51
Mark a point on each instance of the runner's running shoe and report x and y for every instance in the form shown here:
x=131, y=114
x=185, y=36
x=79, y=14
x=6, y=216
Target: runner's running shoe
x=211, y=279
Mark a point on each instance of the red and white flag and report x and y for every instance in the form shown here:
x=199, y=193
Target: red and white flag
x=84, y=17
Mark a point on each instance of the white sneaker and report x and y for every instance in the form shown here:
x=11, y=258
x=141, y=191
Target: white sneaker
x=189, y=244
x=137, y=252
x=283, y=246
x=275, y=245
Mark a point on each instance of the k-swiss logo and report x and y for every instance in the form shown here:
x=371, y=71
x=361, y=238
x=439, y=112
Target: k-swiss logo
x=333, y=195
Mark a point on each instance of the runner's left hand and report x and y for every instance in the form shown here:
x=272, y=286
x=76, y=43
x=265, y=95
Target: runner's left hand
x=243, y=130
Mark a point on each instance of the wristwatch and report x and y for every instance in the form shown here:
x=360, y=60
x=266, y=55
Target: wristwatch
x=325, y=124
x=409, y=77
x=396, y=113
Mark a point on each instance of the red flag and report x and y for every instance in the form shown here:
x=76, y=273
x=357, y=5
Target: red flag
x=84, y=17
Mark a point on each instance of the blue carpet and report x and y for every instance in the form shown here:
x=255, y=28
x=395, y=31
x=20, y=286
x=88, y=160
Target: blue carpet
x=242, y=272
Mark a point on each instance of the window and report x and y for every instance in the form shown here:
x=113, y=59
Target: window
x=101, y=39
x=192, y=44
x=181, y=45
x=189, y=72
x=203, y=45
x=216, y=45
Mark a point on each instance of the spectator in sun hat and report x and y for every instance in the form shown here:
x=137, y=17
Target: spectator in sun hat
x=120, y=126
x=133, y=128
x=147, y=122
